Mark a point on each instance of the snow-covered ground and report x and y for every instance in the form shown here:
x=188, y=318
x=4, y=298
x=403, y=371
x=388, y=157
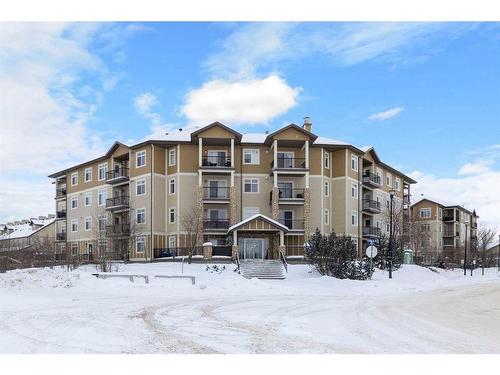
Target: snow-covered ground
x=418, y=311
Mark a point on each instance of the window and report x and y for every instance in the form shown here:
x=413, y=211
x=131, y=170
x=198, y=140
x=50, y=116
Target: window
x=74, y=202
x=354, y=163
x=172, y=157
x=425, y=213
x=90, y=248
x=354, y=218
x=88, y=174
x=440, y=213
x=327, y=159
x=398, y=184
x=171, y=215
x=249, y=212
x=354, y=190
x=425, y=227
x=141, y=216
x=326, y=217
x=171, y=242
x=327, y=188
x=102, y=222
x=171, y=186
x=74, y=248
x=440, y=227
x=101, y=197
x=88, y=223
x=102, y=170
x=74, y=178
x=140, y=159
x=251, y=156
x=140, y=187
x=388, y=179
x=140, y=244
x=88, y=198
x=251, y=185
x=74, y=225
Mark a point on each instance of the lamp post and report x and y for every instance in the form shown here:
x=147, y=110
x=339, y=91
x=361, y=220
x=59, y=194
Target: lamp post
x=465, y=252
x=391, y=194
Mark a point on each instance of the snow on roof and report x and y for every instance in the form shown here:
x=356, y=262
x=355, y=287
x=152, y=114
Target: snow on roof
x=177, y=136
x=25, y=230
x=366, y=148
x=330, y=141
x=436, y=200
x=254, y=138
x=253, y=217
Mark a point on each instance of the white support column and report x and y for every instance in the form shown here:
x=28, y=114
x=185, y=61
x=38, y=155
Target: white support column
x=200, y=151
x=232, y=153
x=275, y=179
x=232, y=178
x=306, y=152
x=307, y=181
x=200, y=179
x=282, y=238
x=275, y=150
x=235, y=237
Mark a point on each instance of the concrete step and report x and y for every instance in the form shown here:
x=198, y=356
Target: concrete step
x=262, y=269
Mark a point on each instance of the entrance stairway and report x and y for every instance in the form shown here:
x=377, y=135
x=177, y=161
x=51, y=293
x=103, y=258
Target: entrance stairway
x=262, y=269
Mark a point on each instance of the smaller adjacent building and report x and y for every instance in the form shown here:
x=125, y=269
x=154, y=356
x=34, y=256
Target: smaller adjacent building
x=440, y=230
x=27, y=233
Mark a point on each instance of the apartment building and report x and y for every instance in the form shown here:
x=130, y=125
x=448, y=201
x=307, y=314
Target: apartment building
x=26, y=233
x=441, y=230
x=255, y=194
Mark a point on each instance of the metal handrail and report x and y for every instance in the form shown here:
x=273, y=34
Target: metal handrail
x=215, y=192
x=283, y=259
x=117, y=172
x=237, y=259
x=291, y=193
x=289, y=163
x=215, y=161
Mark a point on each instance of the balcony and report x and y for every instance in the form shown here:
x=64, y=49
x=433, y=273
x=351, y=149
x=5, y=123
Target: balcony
x=118, y=230
x=61, y=193
x=371, y=231
x=118, y=203
x=117, y=175
x=61, y=236
x=216, y=224
x=61, y=214
x=371, y=205
x=215, y=193
x=292, y=224
x=215, y=161
x=286, y=163
x=289, y=195
x=371, y=180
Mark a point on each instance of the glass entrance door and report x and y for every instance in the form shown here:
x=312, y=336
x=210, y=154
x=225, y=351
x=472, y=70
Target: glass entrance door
x=254, y=248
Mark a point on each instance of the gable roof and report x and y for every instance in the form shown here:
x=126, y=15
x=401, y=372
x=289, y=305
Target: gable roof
x=311, y=136
x=278, y=225
x=194, y=135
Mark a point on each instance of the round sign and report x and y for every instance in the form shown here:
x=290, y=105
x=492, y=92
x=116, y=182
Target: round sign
x=371, y=251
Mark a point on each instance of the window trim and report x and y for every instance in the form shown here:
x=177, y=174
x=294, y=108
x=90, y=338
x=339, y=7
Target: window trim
x=73, y=198
x=171, y=152
x=74, y=246
x=174, y=238
x=326, y=159
x=354, y=184
x=141, y=239
x=170, y=186
x=355, y=158
x=397, y=184
x=85, y=175
x=85, y=221
x=258, y=156
x=170, y=211
x=74, y=221
x=326, y=215
x=354, y=213
x=250, y=179
x=85, y=195
x=137, y=158
x=326, y=188
x=99, y=169
x=74, y=174
x=137, y=185
x=426, y=209
x=105, y=196
x=388, y=177
x=142, y=209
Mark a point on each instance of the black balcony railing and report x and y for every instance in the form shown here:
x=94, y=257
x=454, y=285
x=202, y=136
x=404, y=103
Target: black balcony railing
x=371, y=231
x=172, y=252
x=211, y=192
x=224, y=250
x=289, y=163
x=216, y=161
x=215, y=224
x=61, y=192
x=118, y=230
x=289, y=193
x=60, y=214
x=370, y=204
x=371, y=178
x=121, y=201
x=448, y=218
x=118, y=173
x=61, y=236
x=292, y=224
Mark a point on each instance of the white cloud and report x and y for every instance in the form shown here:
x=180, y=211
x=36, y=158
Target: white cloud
x=385, y=115
x=45, y=107
x=243, y=102
x=144, y=103
x=479, y=167
x=478, y=191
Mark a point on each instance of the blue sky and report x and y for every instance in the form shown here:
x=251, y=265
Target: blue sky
x=408, y=89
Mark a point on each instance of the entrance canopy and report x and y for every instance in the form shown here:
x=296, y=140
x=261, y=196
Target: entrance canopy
x=258, y=222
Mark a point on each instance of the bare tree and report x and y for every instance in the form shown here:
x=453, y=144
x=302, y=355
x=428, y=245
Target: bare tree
x=484, y=238
x=192, y=223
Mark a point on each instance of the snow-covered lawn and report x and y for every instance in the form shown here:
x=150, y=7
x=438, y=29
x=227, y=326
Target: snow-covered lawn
x=418, y=311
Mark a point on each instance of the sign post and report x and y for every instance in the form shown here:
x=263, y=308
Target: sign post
x=371, y=252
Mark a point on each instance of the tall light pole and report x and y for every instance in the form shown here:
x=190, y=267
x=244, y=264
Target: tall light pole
x=465, y=252
x=391, y=194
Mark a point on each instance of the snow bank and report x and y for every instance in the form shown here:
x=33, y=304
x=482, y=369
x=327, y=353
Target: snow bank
x=33, y=278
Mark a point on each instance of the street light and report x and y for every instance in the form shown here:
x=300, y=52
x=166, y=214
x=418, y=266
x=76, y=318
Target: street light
x=391, y=194
x=465, y=252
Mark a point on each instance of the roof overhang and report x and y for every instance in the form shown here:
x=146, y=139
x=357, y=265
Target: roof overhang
x=278, y=226
x=269, y=139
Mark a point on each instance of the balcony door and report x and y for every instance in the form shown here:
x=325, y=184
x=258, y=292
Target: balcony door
x=216, y=158
x=214, y=190
x=285, y=159
x=286, y=218
x=285, y=189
